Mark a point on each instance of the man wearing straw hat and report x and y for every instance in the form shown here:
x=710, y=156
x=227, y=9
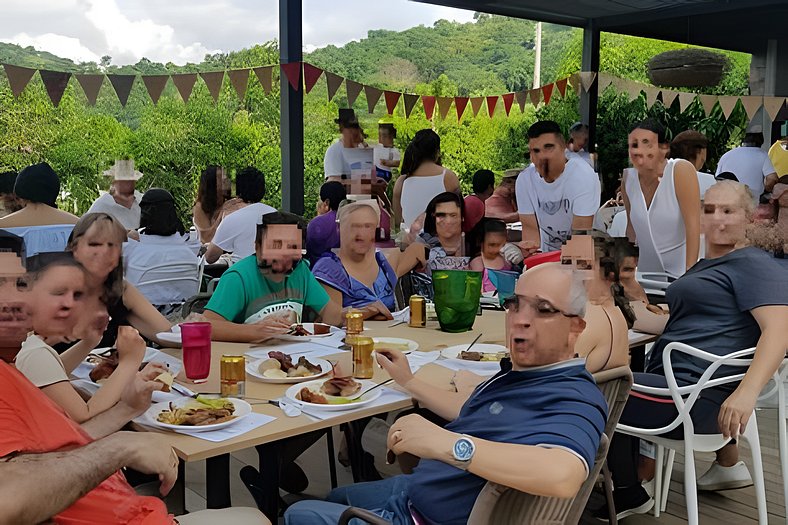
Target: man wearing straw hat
x=122, y=201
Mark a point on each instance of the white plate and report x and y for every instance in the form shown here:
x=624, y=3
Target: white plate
x=242, y=408
x=252, y=370
x=453, y=352
x=382, y=341
x=310, y=327
x=364, y=400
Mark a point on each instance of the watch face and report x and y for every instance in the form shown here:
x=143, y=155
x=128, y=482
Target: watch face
x=463, y=449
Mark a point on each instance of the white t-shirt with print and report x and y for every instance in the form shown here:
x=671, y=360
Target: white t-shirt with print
x=575, y=192
x=237, y=231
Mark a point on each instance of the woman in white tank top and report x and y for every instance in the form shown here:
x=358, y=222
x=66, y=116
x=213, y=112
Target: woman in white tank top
x=422, y=178
x=662, y=200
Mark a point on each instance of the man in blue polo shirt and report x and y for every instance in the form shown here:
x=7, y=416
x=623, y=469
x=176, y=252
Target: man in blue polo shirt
x=535, y=428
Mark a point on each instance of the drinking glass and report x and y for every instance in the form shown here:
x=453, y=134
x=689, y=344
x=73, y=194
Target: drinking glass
x=196, y=342
x=457, y=294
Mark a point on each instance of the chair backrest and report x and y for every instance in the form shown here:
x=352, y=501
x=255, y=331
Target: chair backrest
x=499, y=505
x=182, y=278
x=48, y=238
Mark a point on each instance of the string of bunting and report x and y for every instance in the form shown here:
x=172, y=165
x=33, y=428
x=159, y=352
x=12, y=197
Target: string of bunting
x=307, y=75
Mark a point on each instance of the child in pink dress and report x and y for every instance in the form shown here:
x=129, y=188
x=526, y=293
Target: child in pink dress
x=494, y=237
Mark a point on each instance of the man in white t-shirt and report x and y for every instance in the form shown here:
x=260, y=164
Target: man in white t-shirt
x=335, y=164
x=555, y=194
x=123, y=200
x=385, y=155
x=237, y=231
x=750, y=164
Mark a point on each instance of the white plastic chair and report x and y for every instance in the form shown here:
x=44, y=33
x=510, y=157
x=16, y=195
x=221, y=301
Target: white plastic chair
x=684, y=398
x=183, y=278
x=777, y=387
x=654, y=283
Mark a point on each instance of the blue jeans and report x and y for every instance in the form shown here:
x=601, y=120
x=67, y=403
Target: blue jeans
x=387, y=498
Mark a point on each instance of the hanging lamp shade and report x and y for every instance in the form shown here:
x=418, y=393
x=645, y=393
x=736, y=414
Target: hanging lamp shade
x=687, y=68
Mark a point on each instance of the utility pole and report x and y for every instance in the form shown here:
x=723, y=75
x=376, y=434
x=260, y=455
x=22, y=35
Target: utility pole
x=538, y=56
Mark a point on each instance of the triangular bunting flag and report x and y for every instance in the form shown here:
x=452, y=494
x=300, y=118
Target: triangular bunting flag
x=55, y=82
x=668, y=97
x=708, y=102
x=685, y=99
x=292, y=70
x=547, y=92
x=91, y=84
x=185, y=83
x=410, y=102
x=491, y=103
x=239, y=78
x=155, y=85
x=574, y=81
x=122, y=85
x=561, y=85
x=460, y=103
x=373, y=95
x=213, y=80
x=522, y=97
x=508, y=98
x=476, y=104
x=651, y=96
x=392, y=98
x=265, y=75
x=587, y=80
x=333, y=82
x=444, y=105
x=604, y=81
x=535, y=95
x=18, y=77
x=353, y=89
x=773, y=105
x=751, y=105
x=727, y=104
x=633, y=90
x=429, y=105
x=311, y=75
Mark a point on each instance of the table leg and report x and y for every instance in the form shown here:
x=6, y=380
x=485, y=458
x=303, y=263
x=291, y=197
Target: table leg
x=268, y=479
x=217, y=482
x=332, y=457
x=637, y=358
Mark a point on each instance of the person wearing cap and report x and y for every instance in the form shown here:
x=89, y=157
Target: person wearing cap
x=358, y=276
x=322, y=233
x=236, y=233
x=37, y=188
x=122, y=200
x=576, y=145
x=385, y=155
x=162, y=241
x=502, y=204
x=8, y=201
x=334, y=162
x=750, y=164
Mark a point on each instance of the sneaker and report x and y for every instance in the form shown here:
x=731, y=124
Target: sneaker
x=725, y=478
x=628, y=501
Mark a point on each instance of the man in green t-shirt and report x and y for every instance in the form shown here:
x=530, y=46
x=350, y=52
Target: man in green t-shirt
x=263, y=294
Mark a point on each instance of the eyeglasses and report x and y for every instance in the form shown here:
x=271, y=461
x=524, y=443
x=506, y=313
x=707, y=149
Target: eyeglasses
x=541, y=307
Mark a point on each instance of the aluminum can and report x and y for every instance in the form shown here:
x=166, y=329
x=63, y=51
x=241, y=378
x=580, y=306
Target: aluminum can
x=362, y=357
x=233, y=376
x=418, y=311
x=354, y=322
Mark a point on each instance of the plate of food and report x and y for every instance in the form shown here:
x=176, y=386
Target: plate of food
x=279, y=367
x=395, y=343
x=481, y=354
x=197, y=415
x=307, y=331
x=334, y=393
x=101, y=362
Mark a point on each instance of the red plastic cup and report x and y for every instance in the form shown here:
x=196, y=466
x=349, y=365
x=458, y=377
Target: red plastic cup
x=196, y=342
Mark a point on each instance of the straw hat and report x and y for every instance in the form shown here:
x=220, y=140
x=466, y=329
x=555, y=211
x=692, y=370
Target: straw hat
x=123, y=170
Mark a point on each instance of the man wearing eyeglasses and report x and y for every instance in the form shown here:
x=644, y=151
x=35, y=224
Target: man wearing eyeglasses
x=534, y=427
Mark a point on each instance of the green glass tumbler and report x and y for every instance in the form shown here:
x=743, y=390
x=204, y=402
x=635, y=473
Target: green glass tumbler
x=457, y=294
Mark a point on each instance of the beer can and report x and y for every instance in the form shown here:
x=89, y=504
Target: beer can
x=418, y=311
x=233, y=376
x=362, y=357
x=354, y=321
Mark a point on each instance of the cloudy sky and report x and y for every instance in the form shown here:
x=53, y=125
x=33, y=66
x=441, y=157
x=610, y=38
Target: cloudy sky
x=185, y=30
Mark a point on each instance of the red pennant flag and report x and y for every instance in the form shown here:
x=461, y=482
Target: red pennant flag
x=311, y=75
x=491, y=102
x=547, y=92
x=508, y=99
x=561, y=85
x=392, y=98
x=292, y=71
x=155, y=85
x=429, y=105
x=410, y=102
x=18, y=77
x=55, y=83
x=460, y=103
